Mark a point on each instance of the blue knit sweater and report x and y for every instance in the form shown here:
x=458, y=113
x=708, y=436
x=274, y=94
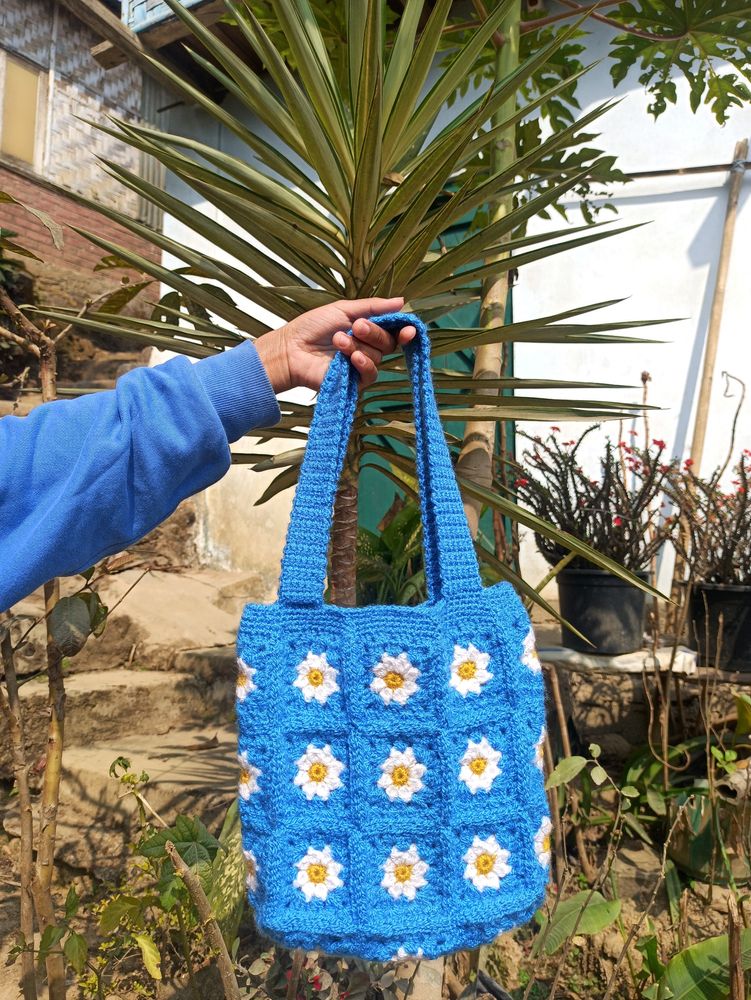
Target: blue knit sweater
x=83, y=478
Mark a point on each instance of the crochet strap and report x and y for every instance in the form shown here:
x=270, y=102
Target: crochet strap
x=450, y=562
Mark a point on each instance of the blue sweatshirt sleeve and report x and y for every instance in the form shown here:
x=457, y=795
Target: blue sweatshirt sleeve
x=83, y=478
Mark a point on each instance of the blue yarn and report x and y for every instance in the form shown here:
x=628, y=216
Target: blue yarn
x=457, y=700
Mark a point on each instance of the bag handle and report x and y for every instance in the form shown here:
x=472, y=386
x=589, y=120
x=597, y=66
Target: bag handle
x=450, y=561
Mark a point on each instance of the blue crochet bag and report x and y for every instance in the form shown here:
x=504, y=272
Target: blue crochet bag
x=391, y=788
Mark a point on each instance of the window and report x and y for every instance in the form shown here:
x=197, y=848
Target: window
x=21, y=101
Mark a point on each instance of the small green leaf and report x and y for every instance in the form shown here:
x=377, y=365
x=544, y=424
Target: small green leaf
x=150, y=954
x=566, y=771
x=743, y=707
x=594, y=750
x=76, y=951
x=656, y=801
x=71, y=903
x=192, y=840
x=51, y=937
x=599, y=774
x=630, y=792
x=119, y=909
x=586, y=912
x=69, y=625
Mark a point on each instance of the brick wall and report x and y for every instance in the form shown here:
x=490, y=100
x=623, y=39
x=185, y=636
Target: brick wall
x=67, y=276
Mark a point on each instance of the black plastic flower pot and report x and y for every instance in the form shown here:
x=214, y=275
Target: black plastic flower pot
x=720, y=625
x=604, y=608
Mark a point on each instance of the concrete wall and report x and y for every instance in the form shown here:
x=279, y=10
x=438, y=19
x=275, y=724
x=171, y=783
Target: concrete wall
x=665, y=269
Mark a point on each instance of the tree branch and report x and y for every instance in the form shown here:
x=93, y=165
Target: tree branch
x=10, y=706
x=32, y=332
x=638, y=32
x=14, y=338
x=195, y=890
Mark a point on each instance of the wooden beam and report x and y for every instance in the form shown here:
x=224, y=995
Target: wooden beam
x=109, y=27
x=172, y=28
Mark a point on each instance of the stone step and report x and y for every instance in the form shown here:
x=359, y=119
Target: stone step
x=104, y=705
x=191, y=771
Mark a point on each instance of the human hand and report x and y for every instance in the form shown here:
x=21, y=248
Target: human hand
x=300, y=352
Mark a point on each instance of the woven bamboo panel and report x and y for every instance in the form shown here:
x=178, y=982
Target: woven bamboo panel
x=75, y=146
x=26, y=28
x=142, y=14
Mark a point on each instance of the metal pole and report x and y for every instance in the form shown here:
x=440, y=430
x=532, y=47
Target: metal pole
x=737, y=172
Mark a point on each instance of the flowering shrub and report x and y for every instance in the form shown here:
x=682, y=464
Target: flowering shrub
x=716, y=543
x=616, y=513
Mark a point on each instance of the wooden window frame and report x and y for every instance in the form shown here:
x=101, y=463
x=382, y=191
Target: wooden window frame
x=40, y=127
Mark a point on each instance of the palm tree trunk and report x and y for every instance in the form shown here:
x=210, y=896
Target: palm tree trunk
x=476, y=457
x=343, y=571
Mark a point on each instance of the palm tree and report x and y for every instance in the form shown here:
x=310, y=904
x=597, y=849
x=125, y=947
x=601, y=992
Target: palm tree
x=352, y=199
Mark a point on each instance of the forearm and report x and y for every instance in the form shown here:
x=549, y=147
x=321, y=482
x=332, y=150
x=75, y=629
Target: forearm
x=82, y=478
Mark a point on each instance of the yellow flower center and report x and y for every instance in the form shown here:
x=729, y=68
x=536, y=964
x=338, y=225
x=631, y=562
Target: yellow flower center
x=484, y=863
x=467, y=670
x=244, y=776
x=317, y=874
x=400, y=775
x=242, y=680
x=250, y=866
x=403, y=873
x=315, y=677
x=545, y=846
x=317, y=771
x=394, y=680
x=478, y=765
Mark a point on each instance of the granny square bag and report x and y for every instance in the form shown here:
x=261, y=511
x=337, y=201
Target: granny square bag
x=391, y=787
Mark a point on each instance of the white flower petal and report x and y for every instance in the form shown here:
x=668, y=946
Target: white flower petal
x=539, y=758
x=529, y=657
x=404, y=873
x=249, y=775
x=245, y=683
x=317, y=874
x=469, y=670
x=543, y=842
x=479, y=766
x=395, y=679
x=316, y=678
x=487, y=863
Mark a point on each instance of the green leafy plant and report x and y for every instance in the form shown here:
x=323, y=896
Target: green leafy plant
x=616, y=512
x=389, y=562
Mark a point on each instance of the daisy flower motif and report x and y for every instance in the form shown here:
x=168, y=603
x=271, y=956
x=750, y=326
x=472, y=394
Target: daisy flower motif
x=316, y=678
x=245, y=682
x=542, y=841
x=469, y=670
x=318, y=772
x=404, y=873
x=402, y=775
x=395, y=678
x=251, y=871
x=479, y=766
x=539, y=757
x=486, y=864
x=249, y=776
x=529, y=656
x=403, y=955
x=317, y=874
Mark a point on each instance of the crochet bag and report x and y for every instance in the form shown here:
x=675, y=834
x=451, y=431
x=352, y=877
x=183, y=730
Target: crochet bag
x=391, y=788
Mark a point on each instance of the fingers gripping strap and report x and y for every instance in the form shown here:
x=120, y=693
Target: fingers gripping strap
x=450, y=561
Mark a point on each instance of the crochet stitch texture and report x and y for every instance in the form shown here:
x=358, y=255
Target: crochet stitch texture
x=391, y=793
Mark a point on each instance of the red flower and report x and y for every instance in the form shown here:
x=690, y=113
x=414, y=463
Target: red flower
x=664, y=468
x=658, y=443
x=621, y=444
x=617, y=521
x=568, y=444
x=316, y=983
x=688, y=463
x=521, y=482
x=555, y=430
x=633, y=433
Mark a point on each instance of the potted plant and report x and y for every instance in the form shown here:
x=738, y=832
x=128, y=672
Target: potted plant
x=617, y=514
x=715, y=543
